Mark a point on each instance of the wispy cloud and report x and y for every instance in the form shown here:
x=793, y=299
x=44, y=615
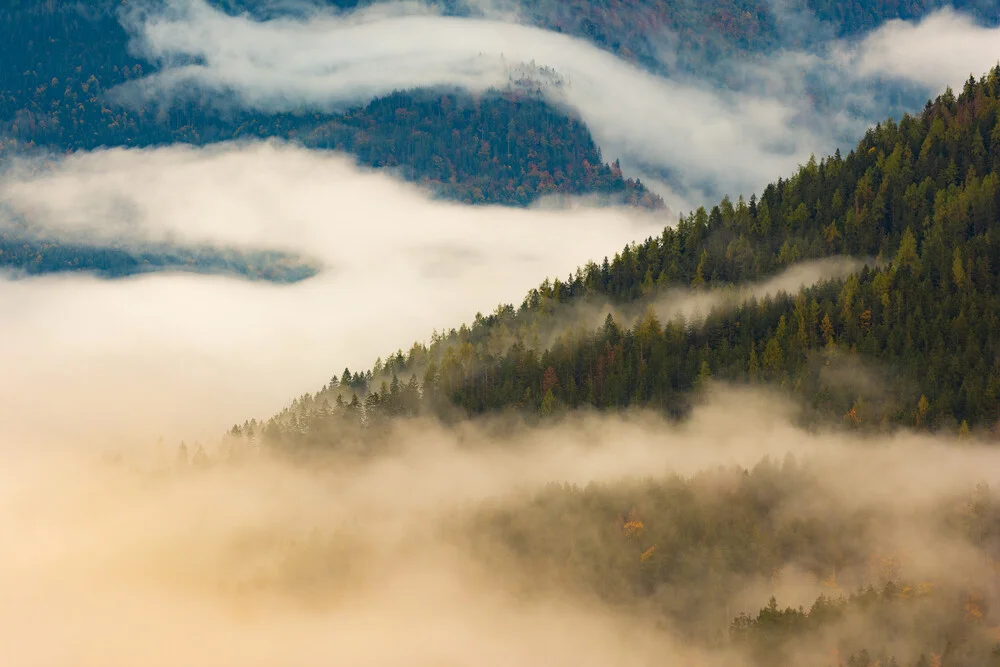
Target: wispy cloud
x=702, y=136
x=728, y=132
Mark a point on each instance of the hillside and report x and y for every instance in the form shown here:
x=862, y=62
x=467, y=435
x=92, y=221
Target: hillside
x=706, y=33
x=913, y=340
x=507, y=147
x=24, y=255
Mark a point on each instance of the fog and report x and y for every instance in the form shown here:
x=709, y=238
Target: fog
x=692, y=306
x=942, y=50
x=693, y=138
x=452, y=547
x=553, y=321
x=392, y=561
x=288, y=64
x=141, y=358
x=457, y=545
x=186, y=356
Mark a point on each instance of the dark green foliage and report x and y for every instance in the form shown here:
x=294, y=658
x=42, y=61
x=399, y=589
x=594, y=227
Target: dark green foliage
x=922, y=195
x=507, y=149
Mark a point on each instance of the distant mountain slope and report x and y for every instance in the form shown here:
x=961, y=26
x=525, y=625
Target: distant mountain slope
x=914, y=341
x=28, y=257
x=502, y=149
x=705, y=31
x=695, y=34
x=62, y=58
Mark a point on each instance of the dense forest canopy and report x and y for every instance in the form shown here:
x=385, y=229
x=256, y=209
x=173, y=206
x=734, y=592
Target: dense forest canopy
x=505, y=148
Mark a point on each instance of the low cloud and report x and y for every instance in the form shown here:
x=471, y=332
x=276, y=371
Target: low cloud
x=688, y=307
x=941, y=50
x=724, y=139
x=403, y=559
x=729, y=130
x=694, y=305
x=186, y=356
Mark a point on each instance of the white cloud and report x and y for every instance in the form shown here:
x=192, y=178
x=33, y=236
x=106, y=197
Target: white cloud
x=188, y=355
x=701, y=135
x=941, y=50
x=712, y=137
x=185, y=355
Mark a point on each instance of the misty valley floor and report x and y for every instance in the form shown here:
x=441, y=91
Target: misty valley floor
x=737, y=538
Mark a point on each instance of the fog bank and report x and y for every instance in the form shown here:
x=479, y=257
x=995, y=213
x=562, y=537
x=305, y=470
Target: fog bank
x=377, y=563
x=187, y=356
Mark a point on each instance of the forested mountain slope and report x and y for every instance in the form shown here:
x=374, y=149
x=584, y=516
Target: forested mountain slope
x=921, y=195
x=911, y=339
x=495, y=460
x=29, y=257
x=682, y=545
x=704, y=33
x=504, y=148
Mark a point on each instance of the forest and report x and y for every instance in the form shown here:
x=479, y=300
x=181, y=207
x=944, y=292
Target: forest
x=21, y=255
x=709, y=32
x=921, y=196
x=508, y=147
